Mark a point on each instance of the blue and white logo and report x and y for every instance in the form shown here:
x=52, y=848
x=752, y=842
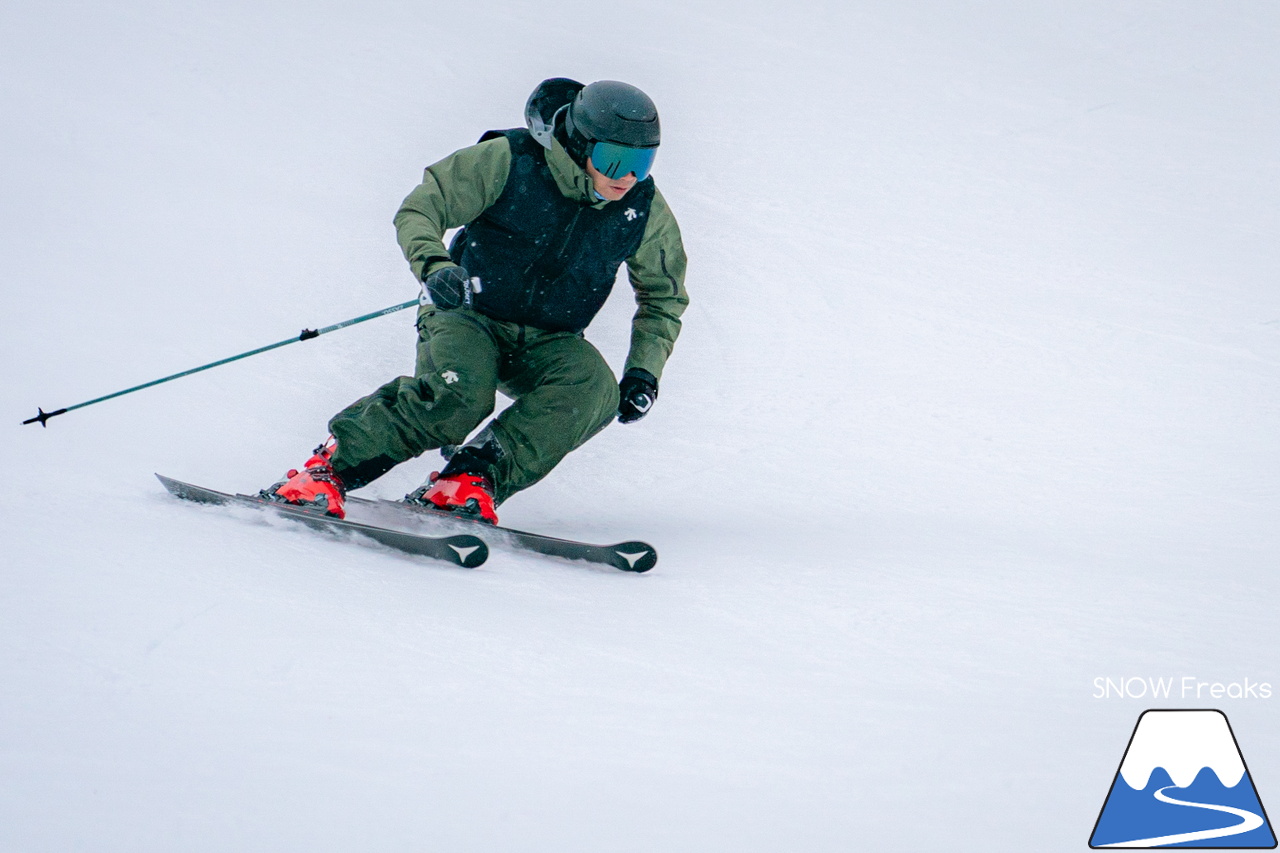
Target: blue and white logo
x=1183, y=783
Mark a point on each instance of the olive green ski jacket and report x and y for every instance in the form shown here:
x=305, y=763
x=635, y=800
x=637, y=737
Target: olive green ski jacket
x=460, y=187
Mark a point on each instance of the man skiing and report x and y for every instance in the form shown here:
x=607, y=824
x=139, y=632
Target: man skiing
x=549, y=213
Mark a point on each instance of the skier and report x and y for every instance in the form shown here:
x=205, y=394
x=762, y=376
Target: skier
x=549, y=213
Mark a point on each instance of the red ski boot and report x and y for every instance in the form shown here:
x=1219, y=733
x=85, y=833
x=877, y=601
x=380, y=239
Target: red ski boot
x=464, y=495
x=314, y=487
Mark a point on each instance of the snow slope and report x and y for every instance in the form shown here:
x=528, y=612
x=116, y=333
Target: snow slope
x=977, y=401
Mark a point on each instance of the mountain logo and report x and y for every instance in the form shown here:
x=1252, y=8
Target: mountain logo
x=1183, y=783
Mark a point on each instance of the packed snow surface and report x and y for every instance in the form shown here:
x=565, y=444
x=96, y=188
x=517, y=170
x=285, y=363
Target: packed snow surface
x=976, y=405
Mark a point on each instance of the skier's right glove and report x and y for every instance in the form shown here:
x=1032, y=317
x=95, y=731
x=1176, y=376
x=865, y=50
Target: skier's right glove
x=447, y=287
x=636, y=393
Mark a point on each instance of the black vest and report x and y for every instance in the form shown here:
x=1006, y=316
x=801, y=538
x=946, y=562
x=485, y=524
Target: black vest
x=545, y=260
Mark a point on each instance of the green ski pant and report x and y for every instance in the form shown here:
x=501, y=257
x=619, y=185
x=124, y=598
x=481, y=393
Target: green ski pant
x=563, y=392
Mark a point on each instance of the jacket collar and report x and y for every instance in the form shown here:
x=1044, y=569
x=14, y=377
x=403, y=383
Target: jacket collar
x=571, y=179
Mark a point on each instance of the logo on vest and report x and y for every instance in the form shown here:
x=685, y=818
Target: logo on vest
x=631, y=214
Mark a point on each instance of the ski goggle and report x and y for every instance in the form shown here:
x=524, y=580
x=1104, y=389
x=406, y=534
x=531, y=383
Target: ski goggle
x=616, y=161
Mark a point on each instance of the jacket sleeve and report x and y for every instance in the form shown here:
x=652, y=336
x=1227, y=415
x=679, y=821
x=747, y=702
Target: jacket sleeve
x=657, y=272
x=452, y=193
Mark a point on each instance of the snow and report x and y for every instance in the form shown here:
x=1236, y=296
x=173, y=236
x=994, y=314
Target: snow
x=976, y=402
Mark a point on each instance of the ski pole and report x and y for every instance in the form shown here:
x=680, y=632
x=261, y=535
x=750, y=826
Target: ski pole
x=306, y=335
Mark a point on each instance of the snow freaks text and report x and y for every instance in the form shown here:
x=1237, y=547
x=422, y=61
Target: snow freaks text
x=1184, y=687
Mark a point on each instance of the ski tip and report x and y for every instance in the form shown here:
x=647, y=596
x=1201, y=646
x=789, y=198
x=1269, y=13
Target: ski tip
x=188, y=492
x=468, y=551
x=172, y=486
x=634, y=556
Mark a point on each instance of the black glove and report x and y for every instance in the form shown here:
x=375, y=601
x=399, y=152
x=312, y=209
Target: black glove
x=448, y=287
x=637, y=391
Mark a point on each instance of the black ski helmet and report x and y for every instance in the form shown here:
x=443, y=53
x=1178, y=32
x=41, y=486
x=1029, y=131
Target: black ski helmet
x=609, y=111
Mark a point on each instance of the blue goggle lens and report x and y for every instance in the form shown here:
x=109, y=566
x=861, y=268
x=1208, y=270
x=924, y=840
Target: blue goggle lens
x=616, y=161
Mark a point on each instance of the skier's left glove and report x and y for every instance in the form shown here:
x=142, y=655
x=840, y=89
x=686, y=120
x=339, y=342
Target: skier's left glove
x=636, y=392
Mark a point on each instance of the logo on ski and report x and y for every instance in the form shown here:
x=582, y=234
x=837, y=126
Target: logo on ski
x=464, y=553
x=633, y=557
x=1183, y=782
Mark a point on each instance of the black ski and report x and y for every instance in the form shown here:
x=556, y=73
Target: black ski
x=628, y=556
x=464, y=550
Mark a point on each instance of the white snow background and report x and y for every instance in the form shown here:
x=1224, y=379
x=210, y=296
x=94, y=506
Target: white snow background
x=977, y=400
